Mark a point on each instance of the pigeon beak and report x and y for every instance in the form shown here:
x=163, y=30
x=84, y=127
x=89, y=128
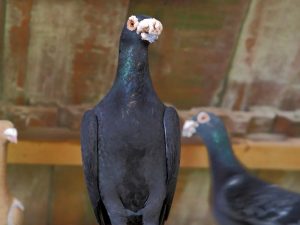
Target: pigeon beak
x=11, y=135
x=189, y=128
x=149, y=29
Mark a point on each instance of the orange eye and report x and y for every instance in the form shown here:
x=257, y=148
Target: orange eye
x=132, y=23
x=203, y=117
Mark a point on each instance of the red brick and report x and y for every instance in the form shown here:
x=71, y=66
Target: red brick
x=2, y=112
x=2, y=25
x=192, y=57
x=94, y=60
x=236, y=98
x=29, y=116
x=239, y=122
x=262, y=120
x=269, y=68
x=70, y=116
x=291, y=99
x=287, y=123
x=283, y=122
x=266, y=93
x=17, y=52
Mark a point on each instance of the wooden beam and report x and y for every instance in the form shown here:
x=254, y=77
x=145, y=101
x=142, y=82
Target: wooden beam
x=45, y=152
x=2, y=25
x=284, y=155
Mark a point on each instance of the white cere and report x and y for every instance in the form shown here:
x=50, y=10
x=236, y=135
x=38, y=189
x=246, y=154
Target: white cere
x=189, y=128
x=149, y=29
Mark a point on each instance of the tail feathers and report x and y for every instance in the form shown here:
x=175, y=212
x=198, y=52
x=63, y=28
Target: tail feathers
x=135, y=220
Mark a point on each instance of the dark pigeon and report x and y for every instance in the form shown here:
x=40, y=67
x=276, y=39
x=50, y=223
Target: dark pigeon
x=239, y=198
x=131, y=140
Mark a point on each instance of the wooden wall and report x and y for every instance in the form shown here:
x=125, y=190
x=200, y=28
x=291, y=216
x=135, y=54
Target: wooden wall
x=231, y=53
x=59, y=57
x=57, y=195
x=2, y=22
x=64, y=52
x=265, y=70
x=60, y=52
x=192, y=58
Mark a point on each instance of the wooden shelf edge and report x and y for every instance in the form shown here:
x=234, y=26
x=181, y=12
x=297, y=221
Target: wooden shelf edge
x=283, y=155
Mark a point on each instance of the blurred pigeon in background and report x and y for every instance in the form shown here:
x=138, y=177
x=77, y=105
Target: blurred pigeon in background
x=11, y=209
x=239, y=198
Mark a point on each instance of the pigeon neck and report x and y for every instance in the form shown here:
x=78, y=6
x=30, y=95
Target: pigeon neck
x=4, y=193
x=223, y=162
x=133, y=68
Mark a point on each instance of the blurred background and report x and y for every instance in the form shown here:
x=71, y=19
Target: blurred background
x=239, y=58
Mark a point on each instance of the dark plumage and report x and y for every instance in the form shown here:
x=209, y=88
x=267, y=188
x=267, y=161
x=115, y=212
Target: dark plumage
x=131, y=140
x=239, y=198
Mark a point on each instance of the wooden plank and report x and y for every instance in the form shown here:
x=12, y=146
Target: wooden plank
x=2, y=21
x=190, y=204
x=55, y=48
x=15, y=50
x=190, y=60
x=31, y=184
x=70, y=203
x=261, y=155
x=258, y=60
x=45, y=152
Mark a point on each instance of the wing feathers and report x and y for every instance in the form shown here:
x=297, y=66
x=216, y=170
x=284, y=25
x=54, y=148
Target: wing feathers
x=89, y=150
x=172, y=141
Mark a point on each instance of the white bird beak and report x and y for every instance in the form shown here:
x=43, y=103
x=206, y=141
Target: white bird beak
x=149, y=29
x=189, y=128
x=11, y=135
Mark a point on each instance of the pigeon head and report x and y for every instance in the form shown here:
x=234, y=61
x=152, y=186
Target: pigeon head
x=8, y=132
x=206, y=125
x=141, y=28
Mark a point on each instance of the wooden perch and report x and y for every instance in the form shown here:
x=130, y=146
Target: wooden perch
x=281, y=155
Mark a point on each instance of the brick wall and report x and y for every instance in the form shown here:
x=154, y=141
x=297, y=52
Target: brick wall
x=265, y=69
x=59, y=58
x=60, y=52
